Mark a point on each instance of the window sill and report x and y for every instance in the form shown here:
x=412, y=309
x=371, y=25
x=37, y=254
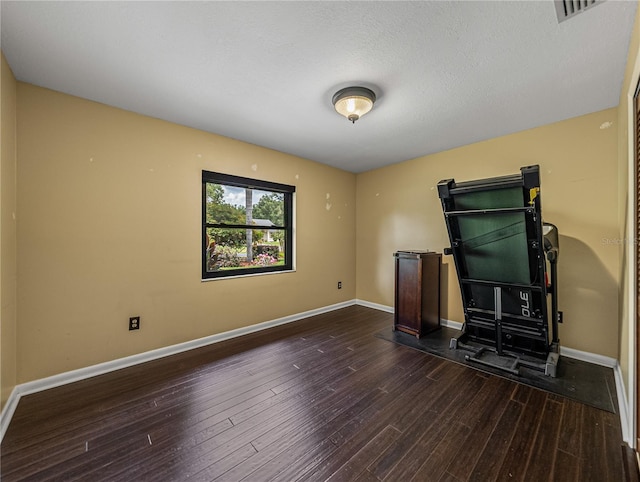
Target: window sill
x=248, y=275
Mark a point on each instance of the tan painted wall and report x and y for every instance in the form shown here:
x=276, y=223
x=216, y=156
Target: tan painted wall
x=110, y=213
x=398, y=208
x=8, y=232
x=626, y=199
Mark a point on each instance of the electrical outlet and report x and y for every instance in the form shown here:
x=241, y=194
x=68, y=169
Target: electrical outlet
x=339, y=285
x=134, y=323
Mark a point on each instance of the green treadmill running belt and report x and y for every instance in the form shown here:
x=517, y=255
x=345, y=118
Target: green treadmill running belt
x=493, y=199
x=495, y=247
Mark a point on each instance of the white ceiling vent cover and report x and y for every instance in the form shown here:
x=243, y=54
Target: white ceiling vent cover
x=570, y=8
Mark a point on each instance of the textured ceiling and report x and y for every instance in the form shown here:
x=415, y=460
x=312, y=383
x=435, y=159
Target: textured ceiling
x=446, y=73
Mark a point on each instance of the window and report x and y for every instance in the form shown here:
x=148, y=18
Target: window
x=247, y=226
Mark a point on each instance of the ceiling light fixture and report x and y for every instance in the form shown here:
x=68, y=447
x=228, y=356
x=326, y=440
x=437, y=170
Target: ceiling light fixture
x=353, y=102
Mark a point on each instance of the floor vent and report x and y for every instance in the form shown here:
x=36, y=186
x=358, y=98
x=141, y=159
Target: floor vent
x=570, y=8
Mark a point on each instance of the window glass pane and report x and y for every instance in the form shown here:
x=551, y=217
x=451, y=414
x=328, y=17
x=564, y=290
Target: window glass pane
x=235, y=248
x=228, y=205
x=268, y=208
x=225, y=204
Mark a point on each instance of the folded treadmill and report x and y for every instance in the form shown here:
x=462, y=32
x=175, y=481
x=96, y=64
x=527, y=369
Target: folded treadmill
x=506, y=261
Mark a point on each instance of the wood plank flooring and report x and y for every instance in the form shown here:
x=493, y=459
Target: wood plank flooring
x=318, y=399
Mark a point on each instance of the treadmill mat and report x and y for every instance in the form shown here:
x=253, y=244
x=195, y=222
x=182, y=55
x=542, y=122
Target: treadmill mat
x=578, y=380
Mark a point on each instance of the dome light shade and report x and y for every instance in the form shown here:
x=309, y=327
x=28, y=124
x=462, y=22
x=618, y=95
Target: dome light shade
x=354, y=102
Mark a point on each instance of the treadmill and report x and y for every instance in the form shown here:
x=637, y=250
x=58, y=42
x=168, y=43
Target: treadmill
x=506, y=261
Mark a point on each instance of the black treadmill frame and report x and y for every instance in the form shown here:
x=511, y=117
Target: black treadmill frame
x=521, y=338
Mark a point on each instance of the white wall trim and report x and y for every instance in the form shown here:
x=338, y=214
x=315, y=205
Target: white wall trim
x=106, y=367
x=390, y=309
x=451, y=324
x=375, y=306
x=605, y=361
x=8, y=410
x=623, y=406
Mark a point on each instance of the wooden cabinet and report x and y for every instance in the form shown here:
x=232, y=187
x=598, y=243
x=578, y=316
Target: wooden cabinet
x=417, y=299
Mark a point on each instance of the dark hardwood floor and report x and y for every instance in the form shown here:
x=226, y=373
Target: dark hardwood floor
x=319, y=399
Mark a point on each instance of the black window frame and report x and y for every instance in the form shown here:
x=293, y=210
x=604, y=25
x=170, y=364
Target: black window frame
x=209, y=177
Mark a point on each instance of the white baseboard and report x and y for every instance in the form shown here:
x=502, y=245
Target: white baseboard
x=106, y=367
x=605, y=361
x=451, y=324
x=375, y=306
x=390, y=309
x=8, y=410
x=623, y=405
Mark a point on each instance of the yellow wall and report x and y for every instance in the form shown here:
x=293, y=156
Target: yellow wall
x=626, y=197
x=7, y=232
x=110, y=213
x=398, y=208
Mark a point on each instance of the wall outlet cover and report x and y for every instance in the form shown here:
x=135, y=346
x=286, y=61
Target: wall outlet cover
x=134, y=323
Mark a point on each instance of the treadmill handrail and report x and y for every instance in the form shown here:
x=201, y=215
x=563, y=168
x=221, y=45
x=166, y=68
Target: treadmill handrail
x=533, y=287
x=467, y=212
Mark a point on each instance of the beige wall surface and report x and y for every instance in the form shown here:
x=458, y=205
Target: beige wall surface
x=110, y=213
x=625, y=197
x=398, y=208
x=8, y=232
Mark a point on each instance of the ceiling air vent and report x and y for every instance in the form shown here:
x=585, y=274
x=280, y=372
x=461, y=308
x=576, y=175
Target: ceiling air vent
x=570, y=8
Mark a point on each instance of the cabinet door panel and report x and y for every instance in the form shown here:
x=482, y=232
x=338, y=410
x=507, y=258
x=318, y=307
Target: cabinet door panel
x=408, y=293
x=417, y=296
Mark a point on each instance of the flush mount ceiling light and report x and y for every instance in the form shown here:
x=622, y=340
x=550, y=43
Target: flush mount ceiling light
x=353, y=102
